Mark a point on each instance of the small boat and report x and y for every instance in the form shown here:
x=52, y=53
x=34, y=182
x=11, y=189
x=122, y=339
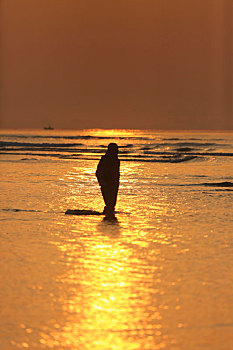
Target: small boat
x=48, y=127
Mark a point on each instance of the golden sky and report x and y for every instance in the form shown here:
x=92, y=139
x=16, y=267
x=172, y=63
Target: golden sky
x=161, y=64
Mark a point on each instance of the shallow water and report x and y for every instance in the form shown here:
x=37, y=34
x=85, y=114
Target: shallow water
x=160, y=277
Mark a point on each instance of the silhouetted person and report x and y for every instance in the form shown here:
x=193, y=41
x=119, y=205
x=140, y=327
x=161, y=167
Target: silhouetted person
x=108, y=175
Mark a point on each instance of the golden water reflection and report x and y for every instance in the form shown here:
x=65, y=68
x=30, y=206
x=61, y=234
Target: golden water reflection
x=112, y=288
x=110, y=299
x=112, y=293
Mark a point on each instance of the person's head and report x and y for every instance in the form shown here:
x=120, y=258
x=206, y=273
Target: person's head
x=112, y=149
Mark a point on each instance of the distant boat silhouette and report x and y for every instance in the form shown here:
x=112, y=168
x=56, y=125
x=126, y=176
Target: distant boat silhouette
x=48, y=127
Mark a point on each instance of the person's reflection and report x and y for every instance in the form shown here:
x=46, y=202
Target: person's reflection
x=108, y=175
x=109, y=226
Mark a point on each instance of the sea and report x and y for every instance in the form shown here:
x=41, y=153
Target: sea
x=158, y=276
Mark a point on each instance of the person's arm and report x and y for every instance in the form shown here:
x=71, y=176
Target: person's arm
x=100, y=172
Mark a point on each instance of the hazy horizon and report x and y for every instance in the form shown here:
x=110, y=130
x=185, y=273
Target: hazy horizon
x=126, y=129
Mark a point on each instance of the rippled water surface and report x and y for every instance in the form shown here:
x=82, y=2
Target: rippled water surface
x=158, y=277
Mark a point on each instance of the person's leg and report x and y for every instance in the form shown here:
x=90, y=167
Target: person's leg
x=107, y=193
x=104, y=194
x=111, y=197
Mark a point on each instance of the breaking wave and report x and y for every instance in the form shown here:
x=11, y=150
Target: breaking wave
x=144, y=147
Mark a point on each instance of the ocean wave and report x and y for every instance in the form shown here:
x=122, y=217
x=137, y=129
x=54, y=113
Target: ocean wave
x=75, y=137
x=185, y=149
x=218, y=184
x=52, y=149
x=147, y=147
x=163, y=159
x=36, y=145
x=191, y=139
x=8, y=147
x=92, y=155
x=21, y=210
x=215, y=154
x=183, y=146
x=194, y=144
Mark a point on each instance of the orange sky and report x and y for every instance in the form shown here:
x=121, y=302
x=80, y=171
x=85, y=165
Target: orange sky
x=162, y=64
